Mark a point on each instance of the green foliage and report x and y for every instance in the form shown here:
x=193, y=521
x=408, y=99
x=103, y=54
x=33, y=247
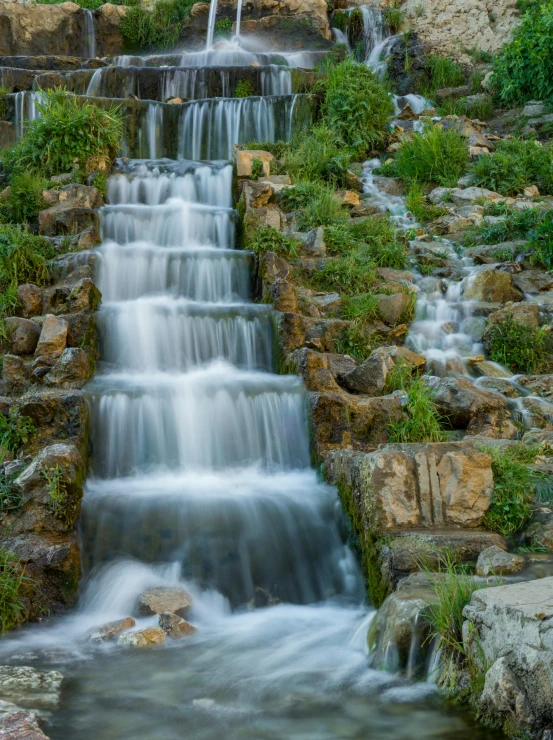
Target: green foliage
x=393, y=17
x=419, y=206
x=11, y=584
x=257, y=168
x=69, y=134
x=357, y=341
x=315, y=203
x=340, y=20
x=517, y=346
x=514, y=490
x=157, y=29
x=453, y=592
x=360, y=307
x=224, y=28
x=243, y=89
x=24, y=200
x=266, y=239
x=442, y=72
x=356, y=107
x=314, y=155
x=423, y=423
x=10, y=497
x=482, y=109
x=523, y=68
x=15, y=431
x=61, y=504
x=86, y=4
x=516, y=225
x=435, y=155
x=542, y=242
x=516, y=164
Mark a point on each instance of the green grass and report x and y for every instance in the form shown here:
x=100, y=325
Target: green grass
x=11, y=585
x=515, y=484
x=25, y=199
x=360, y=307
x=419, y=206
x=541, y=242
x=518, y=347
x=423, y=422
x=442, y=72
x=315, y=203
x=516, y=164
x=69, y=135
x=435, y=155
x=158, y=29
x=224, y=27
x=266, y=239
x=481, y=109
x=516, y=225
x=15, y=431
x=10, y=497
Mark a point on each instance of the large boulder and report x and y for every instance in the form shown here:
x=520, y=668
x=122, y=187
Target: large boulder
x=73, y=369
x=522, y=313
x=175, y=626
x=492, y=286
x=370, y=376
x=23, y=335
x=53, y=336
x=460, y=401
x=18, y=724
x=30, y=297
x=111, y=630
x=493, y=561
x=159, y=600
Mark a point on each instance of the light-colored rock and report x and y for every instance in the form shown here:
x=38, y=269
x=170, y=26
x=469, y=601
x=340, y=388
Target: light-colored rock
x=492, y=286
x=244, y=160
x=30, y=298
x=504, y=696
x=111, y=630
x=541, y=385
x=531, y=191
x=175, y=626
x=13, y=371
x=158, y=600
x=53, y=336
x=460, y=401
x=522, y=313
x=23, y=335
x=147, y=637
x=392, y=307
x=463, y=196
x=73, y=369
x=416, y=485
x=348, y=198
x=495, y=562
x=30, y=687
x=18, y=724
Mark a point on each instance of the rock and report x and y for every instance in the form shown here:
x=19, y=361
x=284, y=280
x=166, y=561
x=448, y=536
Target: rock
x=415, y=485
x=370, y=376
x=17, y=724
x=348, y=198
x=531, y=192
x=390, y=185
x=175, y=626
x=514, y=622
x=30, y=298
x=53, y=336
x=23, y=335
x=112, y=629
x=158, y=600
x=30, y=687
x=459, y=401
x=541, y=385
x=85, y=196
x=13, y=371
x=491, y=285
x=496, y=562
x=533, y=281
x=314, y=243
x=453, y=92
x=479, y=140
x=244, y=161
x=73, y=369
x=463, y=196
x=490, y=369
x=314, y=368
x=392, y=307
x=522, y=313
x=364, y=210
x=533, y=108
x=147, y=637
x=282, y=295
x=65, y=218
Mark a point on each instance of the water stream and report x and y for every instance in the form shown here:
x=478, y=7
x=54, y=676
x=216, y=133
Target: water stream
x=89, y=36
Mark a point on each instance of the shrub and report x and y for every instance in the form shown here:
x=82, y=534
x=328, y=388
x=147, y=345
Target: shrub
x=314, y=155
x=442, y=72
x=423, y=423
x=542, y=242
x=243, y=89
x=24, y=200
x=315, y=202
x=68, y=135
x=523, y=68
x=516, y=164
x=157, y=29
x=518, y=346
x=516, y=225
x=11, y=585
x=266, y=239
x=356, y=108
x=15, y=431
x=435, y=155
x=393, y=17
x=223, y=27
x=515, y=484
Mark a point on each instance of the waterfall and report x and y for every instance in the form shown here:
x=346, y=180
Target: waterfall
x=238, y=18
x=211, y=24
x=89, y=37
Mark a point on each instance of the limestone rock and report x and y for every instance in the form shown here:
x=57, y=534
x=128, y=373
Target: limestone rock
x=314, y=244
x=494, y=562
x=504, y=696
x=175, y=626
x=541, y=385
x=244, y=161
x=462, y=196
x=73, y=369
x=17, y=724
x=490, y=285
x=314, y=368
x=65, y=218
x=392, y=307
x=147, y=637
x=158, y=600
x=459, y=401
x=23, y=335
x=282, y=295
x=53, y=336
x=112, y=629
x=370, y=376
x=416, y=485
x=13, y=371
x=30, y=298
x=30, y=687
x=522, y=313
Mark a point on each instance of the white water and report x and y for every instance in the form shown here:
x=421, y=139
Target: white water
x=211, y=24
x=89, y=36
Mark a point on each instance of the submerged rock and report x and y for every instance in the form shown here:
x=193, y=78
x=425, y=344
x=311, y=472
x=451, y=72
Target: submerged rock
x=147, y=637
x=18, y=724
x=111, y=630
x=30, y=687
x=175, y=626
x=159, y=600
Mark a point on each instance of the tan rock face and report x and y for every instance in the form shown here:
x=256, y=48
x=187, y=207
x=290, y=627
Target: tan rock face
x=23, y=335
x=491, y=285
x=53, y=336
x=493, y=561
x=112, y=629
x=159, y=600
x=30, y=298
x=245, y=162
x=429, y=485
x=147, y=637
x=175, y=626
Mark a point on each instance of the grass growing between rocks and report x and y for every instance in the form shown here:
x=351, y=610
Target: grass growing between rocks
x=515, y=225
x=419, y=206
x=24, y=200
x=515, y=484
x=519, y=347
x=435, y=155
x=266, y=239
x=11, y=585
x=423, y=422
x=442, y=72
x=157, y=29
x=515, y=165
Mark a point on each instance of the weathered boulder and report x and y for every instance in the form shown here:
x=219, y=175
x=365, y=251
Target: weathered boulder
x=460, y=401
x=494, y=562
x=400, y=486
x=159, y=600
x=462, y=196
x=53, y=336
x=492, y=286
x=147, y=637
x=23, y=335
x=392, y=307
x=370, y=376
x=14, y=373
x=30, y=687
x=522, y=313
x=175, y=626
x=73, y=369
x=66, y=218
x=314, y=367
x=514, y=624
x=30, y=298
x=111, y=630
x=541, y=385
x=244, y=161
x=58, y=416
x=18, y=724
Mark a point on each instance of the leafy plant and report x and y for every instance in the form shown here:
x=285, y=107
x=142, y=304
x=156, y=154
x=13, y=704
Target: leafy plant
x=69, y=134
x=257, y=168
x=11, y=584
x=516, y=225
x=515, y=484
x=24, y=200
x=157, y=29
x=61, y=504
x=10, y=497
x=435, y=155
x=224, y=28
x=315, y=203
x=518, y=346
x=243, y=89
x=523, y=68
x=419, y=206
x=423, y=422
x=516, y=164
x=15, y=430
x=266, y=239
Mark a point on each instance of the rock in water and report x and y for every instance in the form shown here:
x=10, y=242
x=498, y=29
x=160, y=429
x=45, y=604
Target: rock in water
x=159, y=600
x=175, y=626
x=146, y=637
x=17, y=724
x=112, y=629
x=30, y=687
x=495, y=562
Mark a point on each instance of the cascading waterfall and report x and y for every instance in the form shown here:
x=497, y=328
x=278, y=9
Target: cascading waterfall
x=89, y=36
x=211, y=24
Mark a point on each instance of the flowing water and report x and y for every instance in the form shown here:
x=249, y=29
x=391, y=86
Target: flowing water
x=89, y=36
